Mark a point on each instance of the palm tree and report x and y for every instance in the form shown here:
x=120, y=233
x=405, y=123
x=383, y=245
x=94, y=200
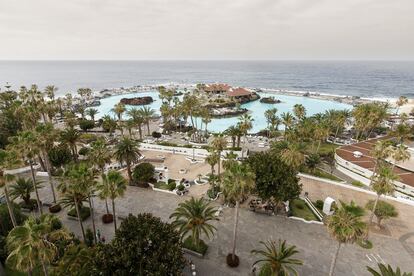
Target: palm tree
x=194, y=216
x=26, y=144
x=212, y=159
x=7, y=160
x=29, y=247
x=238, y=182
x=387, y=271
x=287, y=120
x=136, y=116
x=113, y=186
x=299, y=111
x=277, y=258
x=50, y=91
x=344, y=226
x=233, y=132
x=119, y=109
x=245, y=124
x=147, y=113
x=383, y=184
x=23, y=188
x=219, y=144
x=127, y=151
x=71, y=137
x=293, y=156
x=75, y=188
x=402, y=100
x=46, y=136
x=91, y=112
x=400, y=154
x=100, y=155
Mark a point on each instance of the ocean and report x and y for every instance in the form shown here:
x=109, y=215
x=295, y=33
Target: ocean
x=370, y=79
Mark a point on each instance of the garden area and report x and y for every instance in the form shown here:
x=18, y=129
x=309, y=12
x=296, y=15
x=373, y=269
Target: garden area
x=298, y=208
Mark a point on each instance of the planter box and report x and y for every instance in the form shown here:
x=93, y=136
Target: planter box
x=191, y=252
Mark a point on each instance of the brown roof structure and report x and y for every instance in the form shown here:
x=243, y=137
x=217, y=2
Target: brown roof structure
x=237, y=92
x=368, y=162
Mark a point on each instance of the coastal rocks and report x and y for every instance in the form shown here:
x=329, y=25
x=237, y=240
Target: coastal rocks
x=227, y=112
x=270, y=100
x=137, y=100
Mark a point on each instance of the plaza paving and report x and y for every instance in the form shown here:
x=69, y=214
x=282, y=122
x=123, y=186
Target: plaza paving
x=313, y=241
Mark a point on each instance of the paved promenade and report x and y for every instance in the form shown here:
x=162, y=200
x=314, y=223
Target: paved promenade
x=313, y=241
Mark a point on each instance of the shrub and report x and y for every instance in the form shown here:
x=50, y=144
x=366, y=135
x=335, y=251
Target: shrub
x=383, y=210
x=88, y=138
x=180, y=187
x=85, y=125
x=170, y=180
x=83, y=151
x=89, y=238
x=171, y=185
x=201, y=248
x=319, y=204
x=156, y=134
x=300, y=205
x=31, y=205
x=60, y=155
x=143, y=172
x=84, y=213
x=5, y=222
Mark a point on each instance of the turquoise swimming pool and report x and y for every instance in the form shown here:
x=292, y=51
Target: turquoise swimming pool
x=256, y=108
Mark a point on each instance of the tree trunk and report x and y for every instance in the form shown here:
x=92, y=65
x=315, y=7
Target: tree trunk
x=148, y=128
x=113, y=210
x=39, y=205
x=93, y=218
x=140, y=132
x=79, y=219
x=238, y=141
x=333, y=263
x=219, y=165
x=9, y=206
x=44, y=269
x=233, y=141
x=42, y=164
x=236, y=221
x=49, y=175
x=106, y=206
x=371, y=217
x=128, y=164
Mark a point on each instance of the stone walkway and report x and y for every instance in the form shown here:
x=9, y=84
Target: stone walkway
x=313, y=241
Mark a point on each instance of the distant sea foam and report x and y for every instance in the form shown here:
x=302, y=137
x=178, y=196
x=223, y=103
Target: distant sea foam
x=368, y=79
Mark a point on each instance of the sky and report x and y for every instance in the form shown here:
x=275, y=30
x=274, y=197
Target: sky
x=207, y=29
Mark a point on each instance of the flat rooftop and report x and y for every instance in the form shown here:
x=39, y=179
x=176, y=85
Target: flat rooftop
x=405, y=170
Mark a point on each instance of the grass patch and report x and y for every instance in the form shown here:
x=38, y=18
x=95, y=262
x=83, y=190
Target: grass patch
x=299, y=209
x=357, y=184
x=322, y=174
x=85, y=212
x=161, y=185
x=324, y=149
x=201, y=248
x=365, y=244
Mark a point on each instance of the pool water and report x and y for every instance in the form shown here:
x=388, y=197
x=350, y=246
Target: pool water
x=256, y=108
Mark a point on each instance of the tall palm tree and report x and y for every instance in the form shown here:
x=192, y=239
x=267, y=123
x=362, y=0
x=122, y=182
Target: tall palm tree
x=299, y=111
x=7, y=160
x=287, y=120
x=147, y=113
x=232, y=131
x=212, y=159
x=100, y=155
x=402, y=100
x=113, y=186
x=245, y=124
x=46, y=136
x=238, y=182
x=71, y=137
x=293, y=156
x=119, y=109
x=91, y=112
x=277, y=258
x=382, y=184
x=26, y=144
x=219, y=144
x=50, y=91
x=29, y=247
x=194, y=215
x=127, y=151
x=137, y=118
x=109, y=124
x=75, y=188
x=387, y=271
x=344, y=226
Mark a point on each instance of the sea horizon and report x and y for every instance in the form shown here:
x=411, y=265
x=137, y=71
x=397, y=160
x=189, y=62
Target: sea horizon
x=376, y=79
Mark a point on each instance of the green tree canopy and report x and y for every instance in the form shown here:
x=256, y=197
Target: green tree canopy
x=143, y=245
x=274, y=179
